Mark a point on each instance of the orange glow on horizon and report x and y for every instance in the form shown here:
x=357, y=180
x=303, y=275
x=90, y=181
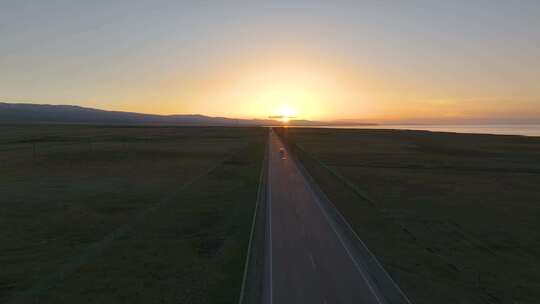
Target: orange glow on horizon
x=310, y=88
x=257, y=88
x=353, y=62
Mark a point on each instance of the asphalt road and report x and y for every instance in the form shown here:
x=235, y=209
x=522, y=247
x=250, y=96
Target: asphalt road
x=308, y=259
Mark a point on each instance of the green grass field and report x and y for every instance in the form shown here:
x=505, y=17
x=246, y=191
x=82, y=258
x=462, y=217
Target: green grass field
x=99, y=214
x=454, y=218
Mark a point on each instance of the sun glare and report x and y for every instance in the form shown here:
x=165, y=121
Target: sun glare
x=287, y=113
x=282, y=90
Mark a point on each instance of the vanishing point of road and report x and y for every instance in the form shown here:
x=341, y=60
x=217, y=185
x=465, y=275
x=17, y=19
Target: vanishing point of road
x=307, y=257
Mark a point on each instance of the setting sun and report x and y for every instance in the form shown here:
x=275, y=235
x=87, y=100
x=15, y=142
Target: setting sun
x=262, y=87
x=284, y=113
x=287, y=112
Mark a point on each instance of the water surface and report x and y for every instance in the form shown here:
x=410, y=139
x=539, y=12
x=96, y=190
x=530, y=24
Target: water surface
x=517, y=129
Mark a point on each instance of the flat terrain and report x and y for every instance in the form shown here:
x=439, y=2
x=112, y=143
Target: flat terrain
x=454, y=218
x=98, y=214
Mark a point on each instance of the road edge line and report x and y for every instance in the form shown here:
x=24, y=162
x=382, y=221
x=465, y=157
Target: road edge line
x=375, y=290
x=330, y=204
x=347, y=224
x=253, y=223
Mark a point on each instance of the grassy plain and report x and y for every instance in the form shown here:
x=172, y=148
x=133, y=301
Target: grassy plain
x=454, y=218
x=99, y=214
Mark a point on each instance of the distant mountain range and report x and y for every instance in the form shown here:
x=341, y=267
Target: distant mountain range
x=44, y=113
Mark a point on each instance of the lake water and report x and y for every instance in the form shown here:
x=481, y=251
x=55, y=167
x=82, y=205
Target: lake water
x=527, y=130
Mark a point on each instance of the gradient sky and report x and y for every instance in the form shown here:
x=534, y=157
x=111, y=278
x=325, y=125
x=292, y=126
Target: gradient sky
x=415, y=61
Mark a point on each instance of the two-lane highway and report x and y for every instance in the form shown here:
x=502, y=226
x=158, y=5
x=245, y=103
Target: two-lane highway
x=307, y=258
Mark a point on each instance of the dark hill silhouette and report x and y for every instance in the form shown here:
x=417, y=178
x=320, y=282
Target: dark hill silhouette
x=45, y=113
x=42, y=113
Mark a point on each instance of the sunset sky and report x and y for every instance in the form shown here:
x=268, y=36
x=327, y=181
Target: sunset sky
x=380, y=61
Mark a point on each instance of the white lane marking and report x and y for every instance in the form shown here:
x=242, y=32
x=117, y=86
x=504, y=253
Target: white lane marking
x=372, y=255
x=271, y=295
x=312, y=261
x=253, y=222
x=366, y=279
x=358, y=268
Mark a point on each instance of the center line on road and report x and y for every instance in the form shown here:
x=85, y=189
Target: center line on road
x=339, y=237
x=312, y=261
